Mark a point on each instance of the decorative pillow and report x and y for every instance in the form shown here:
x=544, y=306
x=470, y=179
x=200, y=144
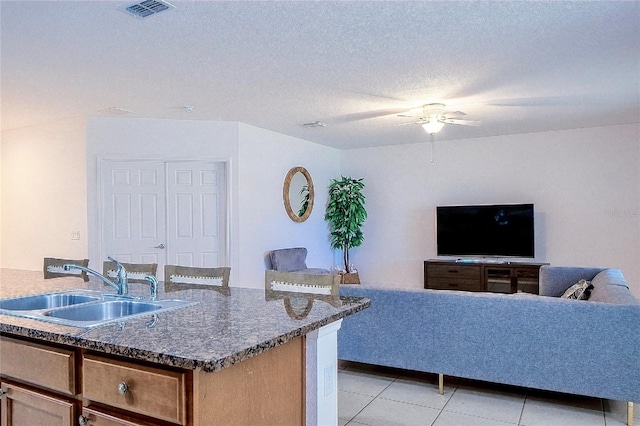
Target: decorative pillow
x=580, y=290
x=289, y=260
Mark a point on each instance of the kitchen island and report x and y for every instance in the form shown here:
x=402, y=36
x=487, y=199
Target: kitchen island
x=238, y=356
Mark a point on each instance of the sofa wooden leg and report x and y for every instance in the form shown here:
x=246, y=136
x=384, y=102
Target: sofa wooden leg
x=630, y=413
x=441, y=384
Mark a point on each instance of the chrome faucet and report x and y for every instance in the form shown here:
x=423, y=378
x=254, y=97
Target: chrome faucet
x=153, y=283
x=120, y=285
x=121, y=277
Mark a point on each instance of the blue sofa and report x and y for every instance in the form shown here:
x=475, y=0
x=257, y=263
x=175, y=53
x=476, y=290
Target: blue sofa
x=546, y=342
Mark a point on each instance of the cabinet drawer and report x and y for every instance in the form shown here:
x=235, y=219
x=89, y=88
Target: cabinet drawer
x=454, y=270
x=148, y=390
x=455, y=284
x=45, y=366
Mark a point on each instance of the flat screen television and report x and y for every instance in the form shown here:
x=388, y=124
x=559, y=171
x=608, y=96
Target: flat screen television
x=499, y=230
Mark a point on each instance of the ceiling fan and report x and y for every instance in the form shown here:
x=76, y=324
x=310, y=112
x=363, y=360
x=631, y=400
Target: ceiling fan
x=434, y=117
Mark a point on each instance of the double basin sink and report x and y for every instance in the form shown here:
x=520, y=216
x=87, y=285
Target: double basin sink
x=85, y=308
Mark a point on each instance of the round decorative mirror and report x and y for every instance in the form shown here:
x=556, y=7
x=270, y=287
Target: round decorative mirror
x=297, y=193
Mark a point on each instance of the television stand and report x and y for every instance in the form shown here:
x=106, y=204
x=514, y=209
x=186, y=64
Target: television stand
x=482, y=275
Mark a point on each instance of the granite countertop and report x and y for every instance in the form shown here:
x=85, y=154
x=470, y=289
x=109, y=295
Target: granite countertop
x=223, y=328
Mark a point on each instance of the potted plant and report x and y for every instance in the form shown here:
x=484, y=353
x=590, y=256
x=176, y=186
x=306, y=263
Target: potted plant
x=346, y=215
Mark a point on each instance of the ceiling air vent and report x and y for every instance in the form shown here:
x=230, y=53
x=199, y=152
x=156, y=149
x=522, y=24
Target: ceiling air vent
x=147, y=8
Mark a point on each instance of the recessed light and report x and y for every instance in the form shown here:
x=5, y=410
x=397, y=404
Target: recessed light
x=314, y=124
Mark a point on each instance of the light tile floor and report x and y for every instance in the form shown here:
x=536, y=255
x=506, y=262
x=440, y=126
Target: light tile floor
x=378, y=396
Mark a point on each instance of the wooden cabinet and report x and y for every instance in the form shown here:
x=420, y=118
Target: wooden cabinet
x=46, y=384
x=507, y=277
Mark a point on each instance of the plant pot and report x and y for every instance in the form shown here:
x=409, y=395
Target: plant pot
x=350, y=278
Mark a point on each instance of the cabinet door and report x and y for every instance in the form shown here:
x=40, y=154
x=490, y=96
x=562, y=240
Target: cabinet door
x=91, y=417
x=24, y=407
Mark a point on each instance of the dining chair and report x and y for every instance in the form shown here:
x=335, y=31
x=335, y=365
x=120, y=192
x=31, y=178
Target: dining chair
x=135, y=271
x=53, y=268
x=179, y=275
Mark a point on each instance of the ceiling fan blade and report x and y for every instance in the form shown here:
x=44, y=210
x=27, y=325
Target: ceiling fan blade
x=539, y=101
x=366, y=115
x=461, y=122
x=448, y=114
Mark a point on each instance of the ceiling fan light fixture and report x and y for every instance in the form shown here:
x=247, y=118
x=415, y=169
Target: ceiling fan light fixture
x=433, y=126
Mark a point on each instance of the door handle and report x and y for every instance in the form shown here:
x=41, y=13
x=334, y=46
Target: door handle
x=160, y=246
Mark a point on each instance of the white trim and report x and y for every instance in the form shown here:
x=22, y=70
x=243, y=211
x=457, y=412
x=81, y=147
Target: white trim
x=322, y=375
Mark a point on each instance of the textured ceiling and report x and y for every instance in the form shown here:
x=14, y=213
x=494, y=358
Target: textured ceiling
x=517, y=67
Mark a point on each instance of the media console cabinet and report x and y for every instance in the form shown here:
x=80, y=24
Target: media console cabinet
x=497, y=277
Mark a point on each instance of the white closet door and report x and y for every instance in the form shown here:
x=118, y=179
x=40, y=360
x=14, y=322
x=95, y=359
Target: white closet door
x=196, y=214
x=164, y=212
x=133, y=212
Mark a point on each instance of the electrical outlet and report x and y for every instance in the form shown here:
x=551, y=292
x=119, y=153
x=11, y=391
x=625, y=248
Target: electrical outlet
x=75, y=235
x=329, y=380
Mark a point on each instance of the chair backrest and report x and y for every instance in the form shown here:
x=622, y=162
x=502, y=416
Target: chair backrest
x=219, y=277
x=288, y=259
x=53, y=268
x=293, y=282
x=299, y=290
x=135, y=271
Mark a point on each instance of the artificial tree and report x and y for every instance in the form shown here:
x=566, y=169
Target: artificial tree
x=346, y=215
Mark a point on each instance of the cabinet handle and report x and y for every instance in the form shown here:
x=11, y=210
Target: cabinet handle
x=83, y=420
x=123, y=388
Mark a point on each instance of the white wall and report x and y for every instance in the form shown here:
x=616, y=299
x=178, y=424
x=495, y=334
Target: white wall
x=265, y=159
x=584, y=184
x=126, y=138
x=43, y=194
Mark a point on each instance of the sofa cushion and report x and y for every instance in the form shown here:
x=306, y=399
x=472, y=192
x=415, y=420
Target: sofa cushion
x=611, y=287
x=289, y=260
x=613, y=294
x=609, y=277
x=580, y=290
